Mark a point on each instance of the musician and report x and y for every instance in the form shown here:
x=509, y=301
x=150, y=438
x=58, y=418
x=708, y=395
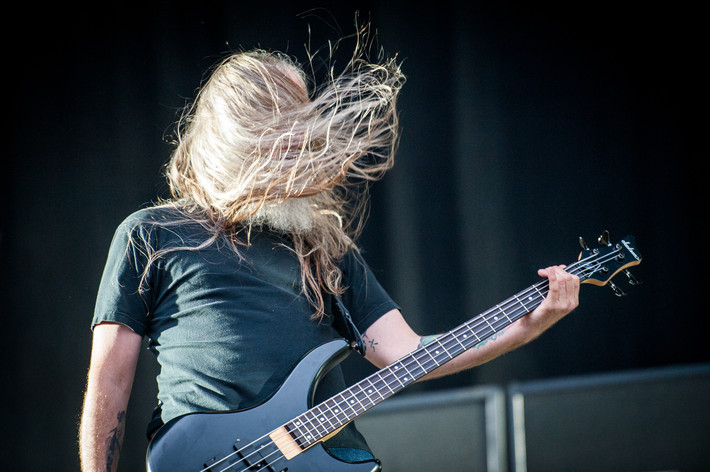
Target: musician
x=240, y=273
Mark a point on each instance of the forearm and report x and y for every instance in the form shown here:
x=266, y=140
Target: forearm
x=502, y=342
x=390, y=337
x=113, y=362
x=562, y=299
x=102, y=428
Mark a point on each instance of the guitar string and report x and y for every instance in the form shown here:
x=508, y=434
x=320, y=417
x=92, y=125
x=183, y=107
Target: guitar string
x=383, y=379
x=538, y=288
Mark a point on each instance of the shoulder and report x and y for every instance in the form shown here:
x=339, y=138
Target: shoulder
x=353, y=264
x=154, y=215
x=151, y=228
x=145, y=221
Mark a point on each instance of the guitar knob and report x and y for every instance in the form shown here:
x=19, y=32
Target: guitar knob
x=583, y=243
x=604, y=239
x=632, y=279
x=617, y=290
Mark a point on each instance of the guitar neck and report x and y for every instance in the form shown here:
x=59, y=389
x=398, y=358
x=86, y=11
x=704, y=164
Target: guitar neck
x=329, y=416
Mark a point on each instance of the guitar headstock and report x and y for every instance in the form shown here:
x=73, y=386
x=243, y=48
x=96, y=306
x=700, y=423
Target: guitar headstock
x=599, y=265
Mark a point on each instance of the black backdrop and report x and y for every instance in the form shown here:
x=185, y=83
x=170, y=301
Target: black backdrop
x=524, y=127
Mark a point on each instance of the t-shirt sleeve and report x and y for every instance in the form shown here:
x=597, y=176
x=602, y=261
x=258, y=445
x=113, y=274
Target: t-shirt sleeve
x=364, y=297
x=123, y=291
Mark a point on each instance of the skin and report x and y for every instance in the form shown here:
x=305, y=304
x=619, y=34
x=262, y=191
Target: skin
x=115, y=354
x=390, y=337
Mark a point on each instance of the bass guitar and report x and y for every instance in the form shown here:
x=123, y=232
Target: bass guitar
x=286, y=432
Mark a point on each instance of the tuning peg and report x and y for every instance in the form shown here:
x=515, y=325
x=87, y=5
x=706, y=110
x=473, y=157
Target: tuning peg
x=617, y=290
x=632, y=279
x=604, y=239
x=583, y=243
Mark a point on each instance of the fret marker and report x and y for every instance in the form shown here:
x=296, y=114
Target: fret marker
x=369, y=391
x=352, y=401
x=530, y=298
x=495, y=318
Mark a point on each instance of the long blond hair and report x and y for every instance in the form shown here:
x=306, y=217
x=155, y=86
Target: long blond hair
x=255, y=137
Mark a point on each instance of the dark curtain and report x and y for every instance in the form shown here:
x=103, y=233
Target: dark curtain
x=524, y=126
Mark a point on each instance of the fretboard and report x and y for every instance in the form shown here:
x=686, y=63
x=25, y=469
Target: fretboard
x=330, y=415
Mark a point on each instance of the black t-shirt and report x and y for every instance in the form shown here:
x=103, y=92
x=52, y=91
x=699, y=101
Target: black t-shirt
x=227, y=327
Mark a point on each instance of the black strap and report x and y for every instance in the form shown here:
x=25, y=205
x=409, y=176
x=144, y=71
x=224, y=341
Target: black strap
x=357, y=343
x=156, y=421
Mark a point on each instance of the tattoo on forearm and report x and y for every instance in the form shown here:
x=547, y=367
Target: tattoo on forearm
x=495, y=335
x=371, y=343
x=424, y=340
x=114, y=441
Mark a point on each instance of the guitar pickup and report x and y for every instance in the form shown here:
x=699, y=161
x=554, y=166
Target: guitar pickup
x=251, y=457
x=210, y=463
x=258, y=457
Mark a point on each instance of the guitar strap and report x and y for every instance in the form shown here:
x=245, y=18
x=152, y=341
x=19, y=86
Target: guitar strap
x=156, y=422
x=349, y=325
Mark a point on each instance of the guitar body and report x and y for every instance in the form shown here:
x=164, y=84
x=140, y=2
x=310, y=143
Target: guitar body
x=239, y=441
x=286, y=431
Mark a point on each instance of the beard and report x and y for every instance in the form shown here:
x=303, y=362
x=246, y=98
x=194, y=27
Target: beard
x=293, y=215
